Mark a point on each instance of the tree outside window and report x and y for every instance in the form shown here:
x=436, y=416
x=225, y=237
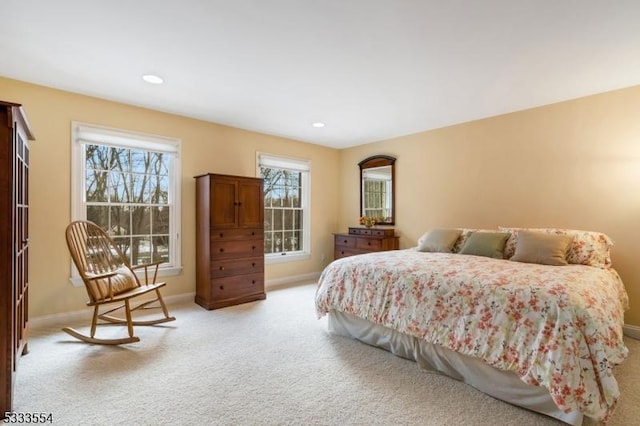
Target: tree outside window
x=127, y=194
x=286, y=207
x=283, y=218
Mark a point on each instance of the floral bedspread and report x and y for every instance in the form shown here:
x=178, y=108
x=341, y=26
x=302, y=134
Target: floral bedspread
x=555, y=326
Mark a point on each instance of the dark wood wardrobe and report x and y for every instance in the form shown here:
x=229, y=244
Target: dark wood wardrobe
x=15, y=135
x=229, y=240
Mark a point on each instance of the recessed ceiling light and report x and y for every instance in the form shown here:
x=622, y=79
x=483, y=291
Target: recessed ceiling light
x=153, y=79
x=318, y=124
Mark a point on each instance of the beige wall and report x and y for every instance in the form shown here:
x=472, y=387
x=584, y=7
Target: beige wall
x=206, y=147
x=574, y=165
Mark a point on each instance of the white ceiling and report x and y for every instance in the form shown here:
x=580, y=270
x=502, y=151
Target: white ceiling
x=369, y=69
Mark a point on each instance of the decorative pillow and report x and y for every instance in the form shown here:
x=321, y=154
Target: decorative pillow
x=439, y=240
x=488, y=244
x=587, y=248
x=464, y=235
x=541, y=248
x=120, y=283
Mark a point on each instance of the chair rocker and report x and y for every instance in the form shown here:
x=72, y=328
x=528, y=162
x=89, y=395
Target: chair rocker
x=110, y=280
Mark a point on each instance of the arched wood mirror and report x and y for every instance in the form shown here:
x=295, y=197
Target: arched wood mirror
x=377, y=197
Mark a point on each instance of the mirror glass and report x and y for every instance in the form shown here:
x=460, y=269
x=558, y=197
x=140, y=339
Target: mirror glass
x=376, y=189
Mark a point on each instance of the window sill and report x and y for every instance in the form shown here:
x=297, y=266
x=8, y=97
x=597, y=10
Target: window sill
x=283, y=258
x=162, y=272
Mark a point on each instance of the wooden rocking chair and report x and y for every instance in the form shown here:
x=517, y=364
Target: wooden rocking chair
x=110, y=279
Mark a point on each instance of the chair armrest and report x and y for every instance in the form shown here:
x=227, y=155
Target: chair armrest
x=100, y=276
x=106, y=275
x=146, y=267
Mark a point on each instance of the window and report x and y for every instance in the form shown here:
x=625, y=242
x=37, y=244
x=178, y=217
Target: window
x=287, y=215
x=127, y=183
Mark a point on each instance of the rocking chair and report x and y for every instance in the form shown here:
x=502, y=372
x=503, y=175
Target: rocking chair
x=109, y=279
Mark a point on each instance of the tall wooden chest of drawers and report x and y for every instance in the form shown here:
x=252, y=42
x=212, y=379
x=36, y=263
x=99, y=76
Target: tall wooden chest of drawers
x=364, y=240
x=229, y=240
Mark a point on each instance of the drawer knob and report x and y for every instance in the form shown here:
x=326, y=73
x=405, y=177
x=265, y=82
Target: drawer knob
x=253, y=247
x=253, y=281
x=345, y=241
x=221, y=235
x=253, y=264
x=222, y=268
x=221, y=287
x=369, y=243
x=221, y=250
x=253, y=233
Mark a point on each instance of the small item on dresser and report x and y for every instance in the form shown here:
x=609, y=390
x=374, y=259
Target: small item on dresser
x=369, y=221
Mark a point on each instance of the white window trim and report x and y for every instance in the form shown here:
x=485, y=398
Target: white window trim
x=82, y=133
x=298, y=164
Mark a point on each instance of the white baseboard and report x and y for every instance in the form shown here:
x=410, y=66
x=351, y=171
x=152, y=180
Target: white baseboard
x=180, y=298
x=67, y=318
x=289, y=281
x=64, y=318
x=632, y=331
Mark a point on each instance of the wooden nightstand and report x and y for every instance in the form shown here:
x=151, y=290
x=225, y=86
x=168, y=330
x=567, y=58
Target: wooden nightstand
x=364, y=240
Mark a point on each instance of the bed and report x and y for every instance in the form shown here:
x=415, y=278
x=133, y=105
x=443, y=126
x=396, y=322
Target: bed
x=543, y=337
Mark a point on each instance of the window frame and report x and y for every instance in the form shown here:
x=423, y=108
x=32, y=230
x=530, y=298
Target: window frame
x=85, y=133
x=303, y=166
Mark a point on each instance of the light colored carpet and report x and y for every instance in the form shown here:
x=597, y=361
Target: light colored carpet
x=269, y=362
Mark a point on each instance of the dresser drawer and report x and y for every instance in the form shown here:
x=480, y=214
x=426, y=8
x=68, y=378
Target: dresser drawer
x=236, y=234
x=236, y=248
x=373, y=244
x=238, y=286
x=226, y=268
x=364, y=240
x=360, y=231
x=374, y=232
x=339, y=252
x=380, y=233
x=345, y=241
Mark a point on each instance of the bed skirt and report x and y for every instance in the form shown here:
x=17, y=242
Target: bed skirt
x=503, y=385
